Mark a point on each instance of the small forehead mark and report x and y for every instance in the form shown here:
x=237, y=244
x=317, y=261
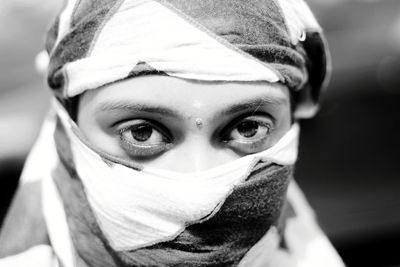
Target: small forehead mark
x=199, y=123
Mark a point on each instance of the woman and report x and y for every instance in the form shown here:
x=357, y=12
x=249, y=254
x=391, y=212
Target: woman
x=175, y=137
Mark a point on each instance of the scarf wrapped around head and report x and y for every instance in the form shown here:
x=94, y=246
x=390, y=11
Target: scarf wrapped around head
x=95, y=43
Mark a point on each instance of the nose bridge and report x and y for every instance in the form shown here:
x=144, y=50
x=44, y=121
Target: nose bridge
x=199, y=154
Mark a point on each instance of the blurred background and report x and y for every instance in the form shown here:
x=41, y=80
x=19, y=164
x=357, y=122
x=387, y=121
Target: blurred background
x=349, y=154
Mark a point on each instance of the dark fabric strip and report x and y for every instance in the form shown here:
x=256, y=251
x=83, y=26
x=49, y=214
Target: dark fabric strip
x=77, y=43
x=222, y=240
x=227, y=36
x=252, y=22
x=86, y=7
x=142, y=68
x=257, y=28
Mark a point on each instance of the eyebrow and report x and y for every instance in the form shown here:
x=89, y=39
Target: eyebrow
x=110, y=106
x=255, y=104
x=244, y=105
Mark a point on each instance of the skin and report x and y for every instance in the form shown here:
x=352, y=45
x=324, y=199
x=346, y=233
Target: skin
x=194, y=126
x=160, y=121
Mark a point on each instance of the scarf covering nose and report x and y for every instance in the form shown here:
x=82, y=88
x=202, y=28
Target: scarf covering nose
x=140, y=206
x=96, y=42
x=213, y=218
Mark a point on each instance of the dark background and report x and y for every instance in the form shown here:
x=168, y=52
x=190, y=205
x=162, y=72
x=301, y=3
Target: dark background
x=349, y=154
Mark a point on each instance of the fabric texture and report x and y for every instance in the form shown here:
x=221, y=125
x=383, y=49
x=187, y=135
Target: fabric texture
x=95, y=43
x=140, y=207
x=234, y=230
x=254, y=214
x=240, y=216
x=297, y=242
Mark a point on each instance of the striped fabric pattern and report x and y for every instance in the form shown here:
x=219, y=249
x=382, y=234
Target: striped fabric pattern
x=94, y=43
x=298, y=242
x=246, y=216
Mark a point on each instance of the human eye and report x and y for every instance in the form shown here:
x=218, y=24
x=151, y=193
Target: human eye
x=143, y=138
x=249, y=135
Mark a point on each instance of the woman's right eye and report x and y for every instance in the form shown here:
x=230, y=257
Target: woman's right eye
x=141, y=138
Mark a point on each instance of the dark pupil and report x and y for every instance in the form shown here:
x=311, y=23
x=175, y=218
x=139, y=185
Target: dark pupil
x=248, y=128
x=141, y=132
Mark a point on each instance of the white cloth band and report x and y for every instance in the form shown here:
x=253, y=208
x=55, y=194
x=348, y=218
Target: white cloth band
x=140, y=208
x=174, y=46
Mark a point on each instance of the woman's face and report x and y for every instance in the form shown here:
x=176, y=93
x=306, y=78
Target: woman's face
x=183, y=125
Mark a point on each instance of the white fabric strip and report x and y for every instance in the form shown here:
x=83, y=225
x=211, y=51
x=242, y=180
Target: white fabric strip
x=65, y=19
x=41, y=255
x=140, y=208
x=39, y=165
x=304, y=243
x=56, y=222
x=35, y=169
x=298, y=18
x=145, y=30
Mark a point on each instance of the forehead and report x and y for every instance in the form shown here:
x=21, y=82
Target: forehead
x=184, y=95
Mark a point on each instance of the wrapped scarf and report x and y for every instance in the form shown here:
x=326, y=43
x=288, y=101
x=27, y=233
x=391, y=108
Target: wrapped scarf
x=95, y=43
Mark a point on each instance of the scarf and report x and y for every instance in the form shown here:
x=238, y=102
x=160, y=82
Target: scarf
x=295, y=240
x=234, y=208
x=95, y=43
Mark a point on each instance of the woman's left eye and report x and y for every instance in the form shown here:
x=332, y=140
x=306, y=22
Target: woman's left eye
x=250, y=135
x=142, y=138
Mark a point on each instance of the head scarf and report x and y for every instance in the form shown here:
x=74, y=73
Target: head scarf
x=95, y=43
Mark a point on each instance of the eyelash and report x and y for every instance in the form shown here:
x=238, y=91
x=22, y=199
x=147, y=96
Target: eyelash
x=248, y=147
x=242, y=119
x=136, y=149
x=142, y=151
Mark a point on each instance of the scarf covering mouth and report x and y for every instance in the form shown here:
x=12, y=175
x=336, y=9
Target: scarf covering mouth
x=95, y=43
x=224, y=211
x=252, y=227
